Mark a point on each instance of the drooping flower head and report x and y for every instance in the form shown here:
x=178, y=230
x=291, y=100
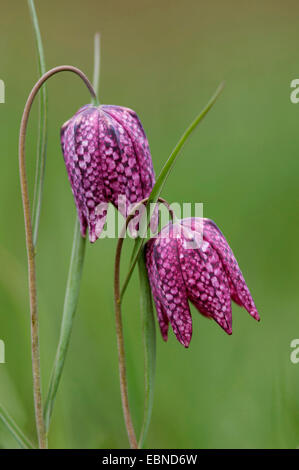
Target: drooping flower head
x=191, y=260
x=107, y=157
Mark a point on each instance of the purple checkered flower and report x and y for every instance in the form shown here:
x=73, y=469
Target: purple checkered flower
x=191, y=260
x=107, y=158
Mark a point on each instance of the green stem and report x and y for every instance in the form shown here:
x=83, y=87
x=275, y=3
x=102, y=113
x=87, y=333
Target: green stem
x=97, y=62
x=120, y=335
x=17, y=433
x=69, y=310
x=42, y=139
x=120, y=339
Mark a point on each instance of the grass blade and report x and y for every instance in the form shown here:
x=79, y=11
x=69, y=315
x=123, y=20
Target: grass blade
x=149, y=340
x=156, y=191
x=69, y=310
x=42, y=128
x=73, y=286
x=14, y=429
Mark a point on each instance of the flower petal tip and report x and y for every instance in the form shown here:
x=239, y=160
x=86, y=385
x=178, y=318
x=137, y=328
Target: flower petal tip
x=255, y=315
x=253, y=312
x=185, y=342
x=226, y=327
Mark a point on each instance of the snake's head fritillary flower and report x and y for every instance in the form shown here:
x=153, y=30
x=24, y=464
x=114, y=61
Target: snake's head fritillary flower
x=107, y=157
x=191, y=260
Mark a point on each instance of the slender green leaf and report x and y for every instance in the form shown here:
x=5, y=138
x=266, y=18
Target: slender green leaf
x=14, y=429
x=69, y=310
x=156, y=191
x=149, y=341
x=72, y=289
x=42, y=133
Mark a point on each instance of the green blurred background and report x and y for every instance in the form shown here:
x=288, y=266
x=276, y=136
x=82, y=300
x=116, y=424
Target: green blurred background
x=164, y=59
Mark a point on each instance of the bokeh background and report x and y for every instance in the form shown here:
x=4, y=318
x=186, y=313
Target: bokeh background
x=164, y=59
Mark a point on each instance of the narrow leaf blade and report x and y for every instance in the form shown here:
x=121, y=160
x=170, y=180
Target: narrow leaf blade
x=149, y=340
x=73, y=287
x=14, y=429
x=69, y=310
x=156, y=191
x=42, y=128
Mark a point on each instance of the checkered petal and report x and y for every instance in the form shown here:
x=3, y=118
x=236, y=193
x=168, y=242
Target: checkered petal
x=108, y=160
x=168, y=285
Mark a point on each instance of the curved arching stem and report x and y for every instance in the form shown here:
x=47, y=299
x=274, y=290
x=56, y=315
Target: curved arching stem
x=119, y=326
x=40, y=424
